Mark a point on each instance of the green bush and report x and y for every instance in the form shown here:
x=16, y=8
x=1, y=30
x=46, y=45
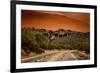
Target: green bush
x=34, y=40
x=29, y=42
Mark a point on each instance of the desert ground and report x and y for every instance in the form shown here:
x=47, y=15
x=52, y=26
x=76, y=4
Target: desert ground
x=57, y=55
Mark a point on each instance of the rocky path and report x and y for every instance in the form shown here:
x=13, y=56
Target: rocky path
x=57, y=56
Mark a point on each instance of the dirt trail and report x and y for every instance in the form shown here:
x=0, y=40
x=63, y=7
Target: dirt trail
x=56, y=56
x=63, y=55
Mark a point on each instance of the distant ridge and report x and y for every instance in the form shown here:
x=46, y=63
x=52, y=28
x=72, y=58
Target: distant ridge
x=59, y=32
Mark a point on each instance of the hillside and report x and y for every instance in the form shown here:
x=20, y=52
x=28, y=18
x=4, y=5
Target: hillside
x=37, y=41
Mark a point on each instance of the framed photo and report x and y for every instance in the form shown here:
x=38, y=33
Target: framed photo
x=52, y=36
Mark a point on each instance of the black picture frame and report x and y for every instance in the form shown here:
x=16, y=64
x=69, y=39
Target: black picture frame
x=13, y=35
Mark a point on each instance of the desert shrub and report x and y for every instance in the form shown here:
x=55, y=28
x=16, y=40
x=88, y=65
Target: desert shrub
x=29, y=42
x=71, y=42
x=35, y=41
x=42, y=41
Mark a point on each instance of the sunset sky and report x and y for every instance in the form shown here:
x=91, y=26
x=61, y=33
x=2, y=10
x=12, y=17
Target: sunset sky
x=55, y=20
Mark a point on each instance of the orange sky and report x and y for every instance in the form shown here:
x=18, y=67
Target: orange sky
x=56, y=20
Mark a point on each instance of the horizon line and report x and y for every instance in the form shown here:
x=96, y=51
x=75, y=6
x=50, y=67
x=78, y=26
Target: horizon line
x=52, y=30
